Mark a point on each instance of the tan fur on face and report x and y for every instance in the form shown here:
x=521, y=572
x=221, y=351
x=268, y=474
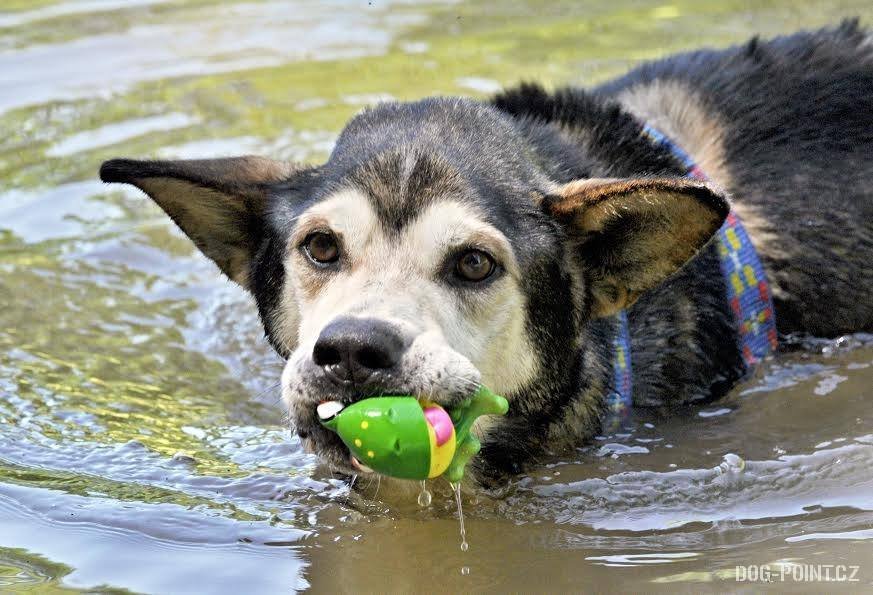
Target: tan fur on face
x=397, y=276
x=489, y=329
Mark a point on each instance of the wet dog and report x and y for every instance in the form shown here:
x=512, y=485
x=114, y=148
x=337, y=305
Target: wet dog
x=450, y=242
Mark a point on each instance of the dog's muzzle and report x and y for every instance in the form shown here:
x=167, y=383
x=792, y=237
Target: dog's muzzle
x=356, y=358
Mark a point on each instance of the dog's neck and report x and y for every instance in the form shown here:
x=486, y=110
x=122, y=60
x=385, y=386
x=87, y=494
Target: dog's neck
x=747, y=290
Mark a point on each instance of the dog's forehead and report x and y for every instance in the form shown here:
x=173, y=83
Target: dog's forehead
x=408, y=155
x=464, y=128
x=402, y=183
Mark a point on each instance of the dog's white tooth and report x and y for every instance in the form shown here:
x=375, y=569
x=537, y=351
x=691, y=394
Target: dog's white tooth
x=360, y=466
x=328, y=409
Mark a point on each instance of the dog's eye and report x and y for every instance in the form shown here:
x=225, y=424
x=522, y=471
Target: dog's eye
x=321, y=248
x=475, y=265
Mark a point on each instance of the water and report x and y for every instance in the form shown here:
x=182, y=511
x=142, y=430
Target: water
x=142, y=445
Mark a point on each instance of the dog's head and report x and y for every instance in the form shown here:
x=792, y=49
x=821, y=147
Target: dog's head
x=431, y=253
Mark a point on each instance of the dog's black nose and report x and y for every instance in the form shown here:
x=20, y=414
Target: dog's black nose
x=352, y=349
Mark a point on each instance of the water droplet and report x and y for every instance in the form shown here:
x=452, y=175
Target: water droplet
x=457, y=489
x=181, y=457
x=424, y=496
x=731, y=464
x=465, y=570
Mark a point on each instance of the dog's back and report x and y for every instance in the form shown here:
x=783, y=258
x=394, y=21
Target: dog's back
x=786, y=126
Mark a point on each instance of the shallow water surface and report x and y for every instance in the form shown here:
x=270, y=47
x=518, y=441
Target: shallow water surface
x=142, y=446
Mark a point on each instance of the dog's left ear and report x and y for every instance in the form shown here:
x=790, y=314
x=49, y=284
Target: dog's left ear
x=219, y=203
x=630, y=235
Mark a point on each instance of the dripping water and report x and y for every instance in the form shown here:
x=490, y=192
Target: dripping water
x=456, y=487
x=424, y=496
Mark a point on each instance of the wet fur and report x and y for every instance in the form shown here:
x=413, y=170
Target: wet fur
x=784, y=126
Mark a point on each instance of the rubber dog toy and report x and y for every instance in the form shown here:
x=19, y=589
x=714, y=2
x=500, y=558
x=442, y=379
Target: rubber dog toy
x=408, y=438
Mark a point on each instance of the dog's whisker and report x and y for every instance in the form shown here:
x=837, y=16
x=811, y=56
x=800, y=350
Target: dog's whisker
x=266, y=390
x=466, y=381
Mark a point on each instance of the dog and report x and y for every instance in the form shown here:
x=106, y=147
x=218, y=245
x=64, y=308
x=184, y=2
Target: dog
x=519, y=242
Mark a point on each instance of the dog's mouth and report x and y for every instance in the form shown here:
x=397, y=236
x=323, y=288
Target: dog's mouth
x=313, y=397
x=319, y=440
x=326, y=411
x=326, y=444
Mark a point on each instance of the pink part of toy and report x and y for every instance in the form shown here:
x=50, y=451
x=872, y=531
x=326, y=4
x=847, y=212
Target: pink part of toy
x=441, y=423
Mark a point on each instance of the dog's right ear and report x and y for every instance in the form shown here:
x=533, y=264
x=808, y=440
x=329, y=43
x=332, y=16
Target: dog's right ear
x=219, y=203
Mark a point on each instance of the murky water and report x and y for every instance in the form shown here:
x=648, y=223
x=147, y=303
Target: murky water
x=142, y=446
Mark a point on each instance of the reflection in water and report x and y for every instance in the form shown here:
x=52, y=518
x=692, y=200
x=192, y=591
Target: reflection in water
x=115, y=133
x=139, y=411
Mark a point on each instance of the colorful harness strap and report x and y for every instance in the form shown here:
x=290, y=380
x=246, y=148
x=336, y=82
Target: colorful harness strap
x=747, y=291
x=619, y=401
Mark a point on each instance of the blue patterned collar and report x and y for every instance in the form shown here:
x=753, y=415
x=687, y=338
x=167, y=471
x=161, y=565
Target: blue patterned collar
x=747, y=291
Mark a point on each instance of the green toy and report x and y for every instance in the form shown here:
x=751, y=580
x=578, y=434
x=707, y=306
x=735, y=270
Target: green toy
x=408, y=438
